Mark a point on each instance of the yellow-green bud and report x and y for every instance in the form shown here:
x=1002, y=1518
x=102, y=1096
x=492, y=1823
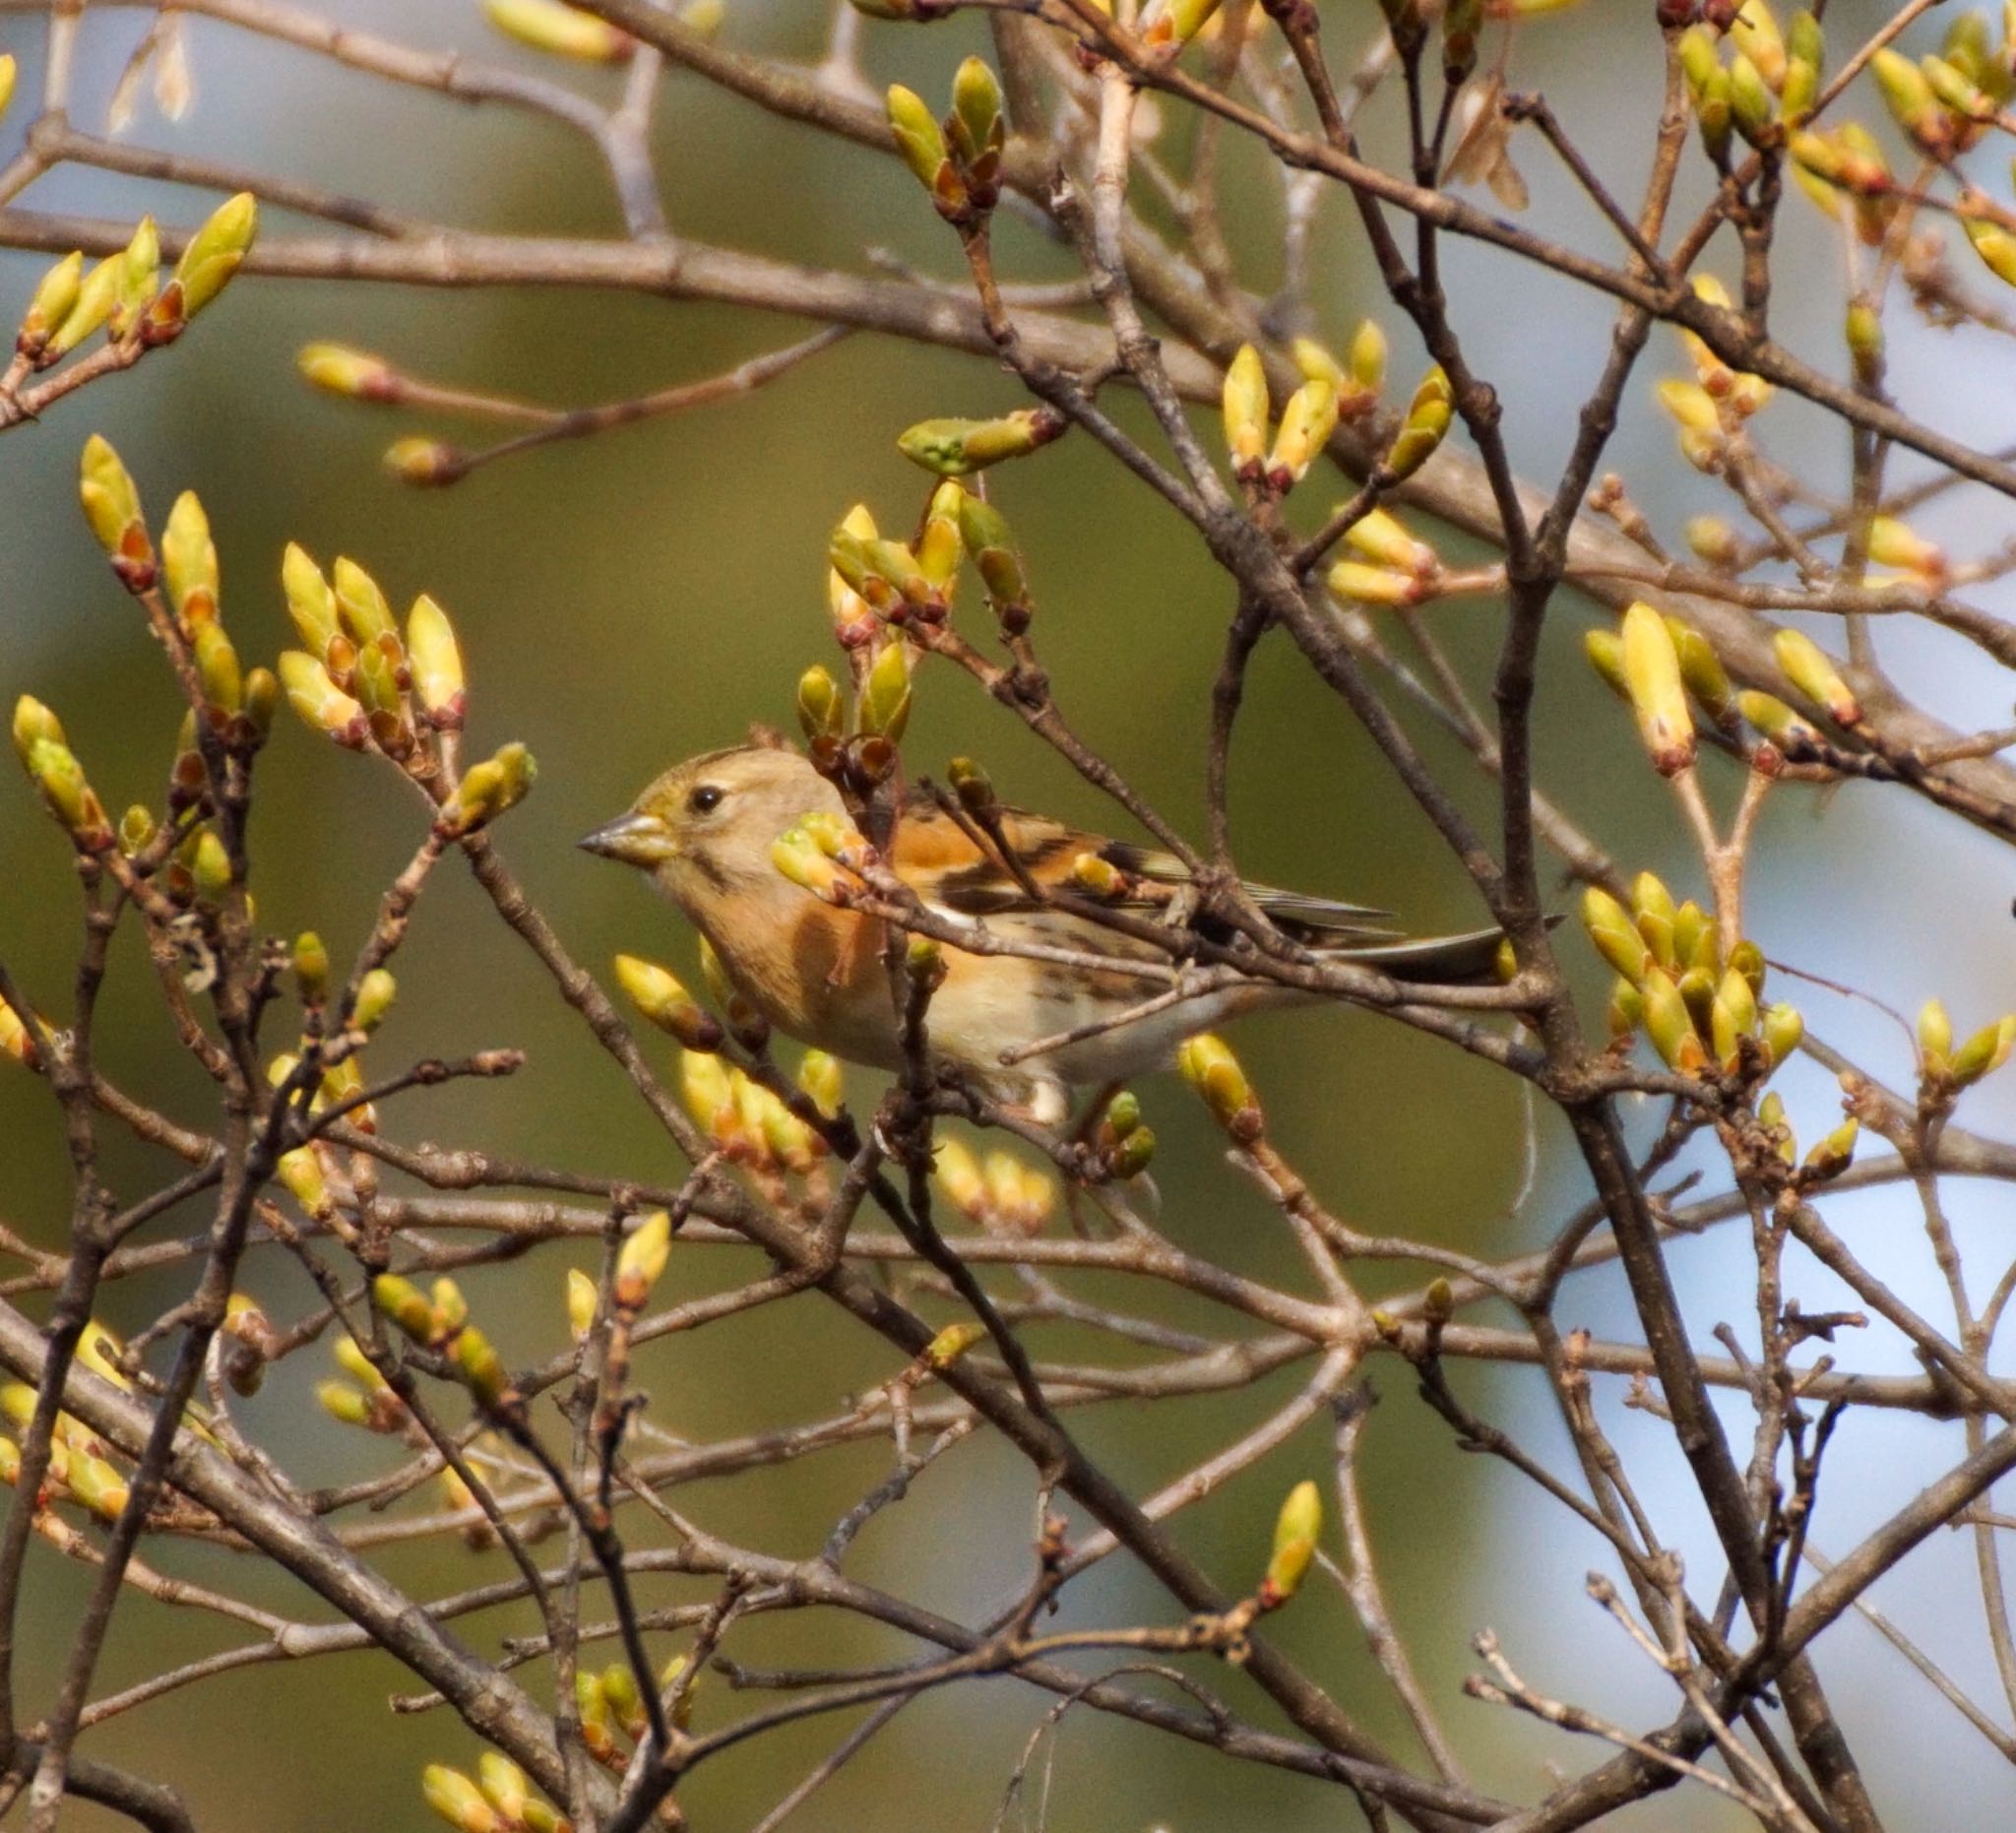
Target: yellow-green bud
x=448, y=1791
x=1616, y=936
x=1606, y=652
x=320, y=702
x=189, y=562
x=436, y=660
x=301, y=1171
x=886, y=695
x=1895, y=543
x=1934, y=1036
x=1909, y=97
x=480, y=1365
x=214, y=252
x=582, y=1301
x=33, y=724
x=1167, y=26
x=54, y=770
x=1776, y=721
x=1782, y=1029
x=375, y=994
x=560, y=30
x=98, y=1486
x=356, y=375
x=822, y=714
x=96, y=296
x=641, y=1259
x=217, y=667
x=1732, y=1018
x=1832, y=1155
x=1801, y=86
x=1306, y=423
x=985, y=534
x=501, y=782
x=504, y=1786
x=310, y=603
x=823, y=1082
x=1382, y=539
x=344, y=1402
x=403, y=1305
x=1368, y=356
x=951, y=1343
x=1353, y=582
x=1651, y=677
x=1246, y=406
x=1751, y=106
x=1996, y=246
x=656, y=993
x=139, y=278
x=1670, y=1024
x=361, y=607
x=1984, y=1052
x=1427, y=422
x=111, y=505
x=1296, y=1529
x=1809, y=668
x=49, y=305
x=1208, y=1066
x=954, y=448
x=920, y=143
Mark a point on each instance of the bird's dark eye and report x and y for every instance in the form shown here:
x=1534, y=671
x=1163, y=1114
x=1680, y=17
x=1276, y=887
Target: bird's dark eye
x=705, y=800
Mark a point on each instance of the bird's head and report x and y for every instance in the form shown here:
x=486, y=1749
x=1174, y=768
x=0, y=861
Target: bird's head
x=704, y=830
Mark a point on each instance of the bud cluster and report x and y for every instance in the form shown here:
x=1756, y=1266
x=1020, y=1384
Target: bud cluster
x=1697, y=1008
x=957, y=159
x=749, y=1124
x=499, y=1800
x=998, y=1192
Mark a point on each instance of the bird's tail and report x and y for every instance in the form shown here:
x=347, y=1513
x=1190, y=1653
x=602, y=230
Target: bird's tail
x=1446, y=960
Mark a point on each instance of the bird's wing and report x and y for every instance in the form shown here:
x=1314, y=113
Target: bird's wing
x=942, y=864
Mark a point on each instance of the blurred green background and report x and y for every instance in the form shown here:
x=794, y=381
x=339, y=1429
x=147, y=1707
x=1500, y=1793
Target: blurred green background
x=634, y=598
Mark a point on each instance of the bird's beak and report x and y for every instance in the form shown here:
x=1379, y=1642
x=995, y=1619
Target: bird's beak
x=635, y=839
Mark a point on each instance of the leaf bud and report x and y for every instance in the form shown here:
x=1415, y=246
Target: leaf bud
x=641, y=1260
x=1245, y=409
x=1426, y=423
x=1651, y=677
x=1811, y=669
x=560, y=30
x=1296, y=1529
x=214, y=252
x=658, y=996
x=1210, y=1067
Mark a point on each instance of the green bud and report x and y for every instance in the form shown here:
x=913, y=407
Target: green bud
x=402, y=1304
x=1751, y=107
x=189, y=562
x=1462, y=21
x=1909, y=97
x=361, y=607
x=135, y=829
x=1427, y=422
x=1832, y=1155
x=356, y=375
x=1811, y=669
x=1208, y=1066
x=1702, y=672
x=1731, y=1018
x=91, y=307
x=1651, y=677
x=217, y=666
x=1167, y=26
x=320, y=702
x=1783, y=1030
x=310, y=603
x=954, y=448
x=501, y=782
x=344, y=1402
x=656, y=993
x=1306, y=423
x=1984, y=1052
x=976, y=125
x=33, y=724
x=561, y=30
x=822, y=713
x=504, y=1785
x=436, y=663
x=1626, y=1009
x=54, y=770
x=1131, y=1154
x=1935, y=1037
x=1606, y=652
x=1802, y=86
x=480, y=1365
x=111, y=505
x=1617, y=938
x=215, y=251
x=301, y=1171
x=49, y=305
x=139, y=278
x=642, y=1260
x=823, y=1082
x=1368, y=356
x=375, y=994
x=920, y=143
x=1747, y=959
x=1247, y=406
x=886, y=695
x=1670, y=1025
x=448, y=1791
x=1777, y=720
x=1296, y=1529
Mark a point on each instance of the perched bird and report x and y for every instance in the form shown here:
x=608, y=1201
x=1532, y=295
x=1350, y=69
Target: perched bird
x=703, y=831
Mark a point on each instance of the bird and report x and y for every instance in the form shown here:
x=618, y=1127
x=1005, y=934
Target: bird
x=704, y=833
